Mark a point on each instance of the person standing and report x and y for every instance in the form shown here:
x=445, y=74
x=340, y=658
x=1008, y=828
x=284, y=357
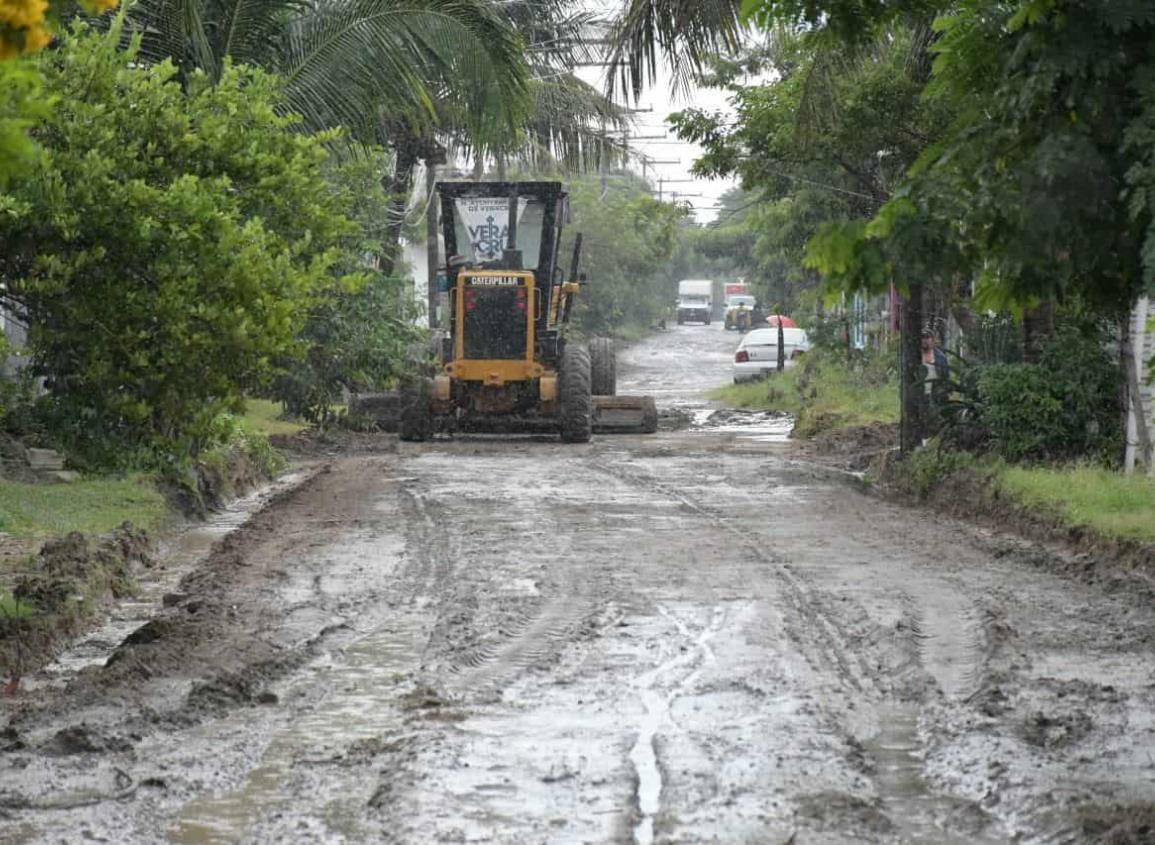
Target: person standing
x=937, y=367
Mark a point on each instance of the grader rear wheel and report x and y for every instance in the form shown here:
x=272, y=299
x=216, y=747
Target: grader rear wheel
x=574, y=395
x=603, y=367
x=416, y=422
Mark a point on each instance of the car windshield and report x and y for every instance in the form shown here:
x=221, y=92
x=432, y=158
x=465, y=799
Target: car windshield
x=694, y=297
x=743, y=301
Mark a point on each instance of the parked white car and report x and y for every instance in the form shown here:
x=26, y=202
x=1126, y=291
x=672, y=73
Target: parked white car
x=757, y=354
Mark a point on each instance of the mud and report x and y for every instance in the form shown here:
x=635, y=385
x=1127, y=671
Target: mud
x=687, y=637
x=67, y=583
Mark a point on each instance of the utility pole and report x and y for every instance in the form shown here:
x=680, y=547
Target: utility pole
x=602, y=164
x=662, y=182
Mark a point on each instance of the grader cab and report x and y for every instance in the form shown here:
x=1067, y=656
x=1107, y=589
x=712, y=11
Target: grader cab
x=508, y=363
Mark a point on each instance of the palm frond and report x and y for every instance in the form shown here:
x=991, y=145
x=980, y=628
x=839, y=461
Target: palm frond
x=569, y=122
x=177, y=30
x=683, y=33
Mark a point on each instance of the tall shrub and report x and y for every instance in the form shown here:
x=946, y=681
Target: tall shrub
x=166, y=248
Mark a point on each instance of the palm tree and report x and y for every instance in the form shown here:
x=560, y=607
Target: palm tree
x=568, y=121
x=683, y=33
x=347, y=62
x=385, y=70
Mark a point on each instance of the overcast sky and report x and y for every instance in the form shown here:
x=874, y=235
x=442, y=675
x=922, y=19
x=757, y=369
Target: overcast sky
x=662, y=102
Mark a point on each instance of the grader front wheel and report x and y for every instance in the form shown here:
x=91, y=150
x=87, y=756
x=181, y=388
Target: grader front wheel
x=603, y=367
x=575, y=396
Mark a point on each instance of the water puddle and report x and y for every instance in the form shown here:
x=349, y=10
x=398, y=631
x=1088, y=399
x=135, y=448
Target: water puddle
x=175, y=558
x=756, y=426
x=656, y=699
x=919, y=814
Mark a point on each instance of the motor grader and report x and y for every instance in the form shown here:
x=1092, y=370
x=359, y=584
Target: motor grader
x=508, y=362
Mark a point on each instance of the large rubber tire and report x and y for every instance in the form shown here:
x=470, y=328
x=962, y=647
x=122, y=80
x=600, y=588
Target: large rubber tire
x=574, y=395
x=603, y=367
x=650, y=417
x=416, y=422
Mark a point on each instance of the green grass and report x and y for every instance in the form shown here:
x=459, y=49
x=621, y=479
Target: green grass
x=822, y=394
x=1113, y=504
x=10, y=608
x=41, y=510
x=778, y=393
x=264, y=417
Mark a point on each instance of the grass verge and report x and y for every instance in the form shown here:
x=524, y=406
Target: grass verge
x=778, y=393
x=92, y=506
x=1110, y=503
x=265, y=417
x=824, y=392
x=1105, y=502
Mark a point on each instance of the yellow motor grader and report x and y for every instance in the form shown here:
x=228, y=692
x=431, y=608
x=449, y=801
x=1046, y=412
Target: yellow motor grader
x=508, y=363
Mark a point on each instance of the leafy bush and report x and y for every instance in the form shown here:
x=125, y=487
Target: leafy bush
x=166, y=248
x=1020, y=410
x=353, y=341
x=921, y=471
x=1064, y=407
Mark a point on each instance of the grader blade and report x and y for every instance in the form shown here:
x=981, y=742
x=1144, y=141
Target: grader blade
x=625, y=415
x=377, y=410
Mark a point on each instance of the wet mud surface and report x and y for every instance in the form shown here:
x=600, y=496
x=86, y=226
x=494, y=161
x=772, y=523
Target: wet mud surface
x=687, y=637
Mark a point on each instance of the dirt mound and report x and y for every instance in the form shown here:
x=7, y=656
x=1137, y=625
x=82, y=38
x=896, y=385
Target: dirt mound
x=1077, y=551
x=1116, y=824
x=855, y=446
x=67, y=582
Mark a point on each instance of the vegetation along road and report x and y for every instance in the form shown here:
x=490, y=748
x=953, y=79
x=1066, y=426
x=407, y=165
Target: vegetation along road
x=686, y=637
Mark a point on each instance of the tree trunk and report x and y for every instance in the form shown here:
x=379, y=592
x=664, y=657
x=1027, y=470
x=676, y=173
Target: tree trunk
x=431, y=245
x=781, y=343
x=399, y=186
x=912, y=395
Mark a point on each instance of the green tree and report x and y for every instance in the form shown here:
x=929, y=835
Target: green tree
x=627, y=238
x=167, y=246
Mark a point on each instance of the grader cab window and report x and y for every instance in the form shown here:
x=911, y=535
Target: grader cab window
x=482, y=228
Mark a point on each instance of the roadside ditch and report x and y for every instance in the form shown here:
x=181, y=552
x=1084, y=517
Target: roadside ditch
x=63, y=592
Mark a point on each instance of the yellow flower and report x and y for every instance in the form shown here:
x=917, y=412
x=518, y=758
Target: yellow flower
x=36, y=38
x=22, y=14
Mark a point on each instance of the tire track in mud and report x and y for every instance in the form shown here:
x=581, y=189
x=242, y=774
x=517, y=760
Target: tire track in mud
x=527, y=637
x=830, y=648
x=897, y=748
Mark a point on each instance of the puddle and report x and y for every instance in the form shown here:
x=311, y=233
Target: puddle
x=920, y=815
x=757, y=426
x=643, y=755
x=175, y=558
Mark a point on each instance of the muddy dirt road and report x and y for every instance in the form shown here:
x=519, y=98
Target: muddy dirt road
x=688, y=637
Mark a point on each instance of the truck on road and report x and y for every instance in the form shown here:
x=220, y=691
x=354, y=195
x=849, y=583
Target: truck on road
x=695, y=301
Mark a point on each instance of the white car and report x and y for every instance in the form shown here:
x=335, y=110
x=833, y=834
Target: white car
x=757, y=354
